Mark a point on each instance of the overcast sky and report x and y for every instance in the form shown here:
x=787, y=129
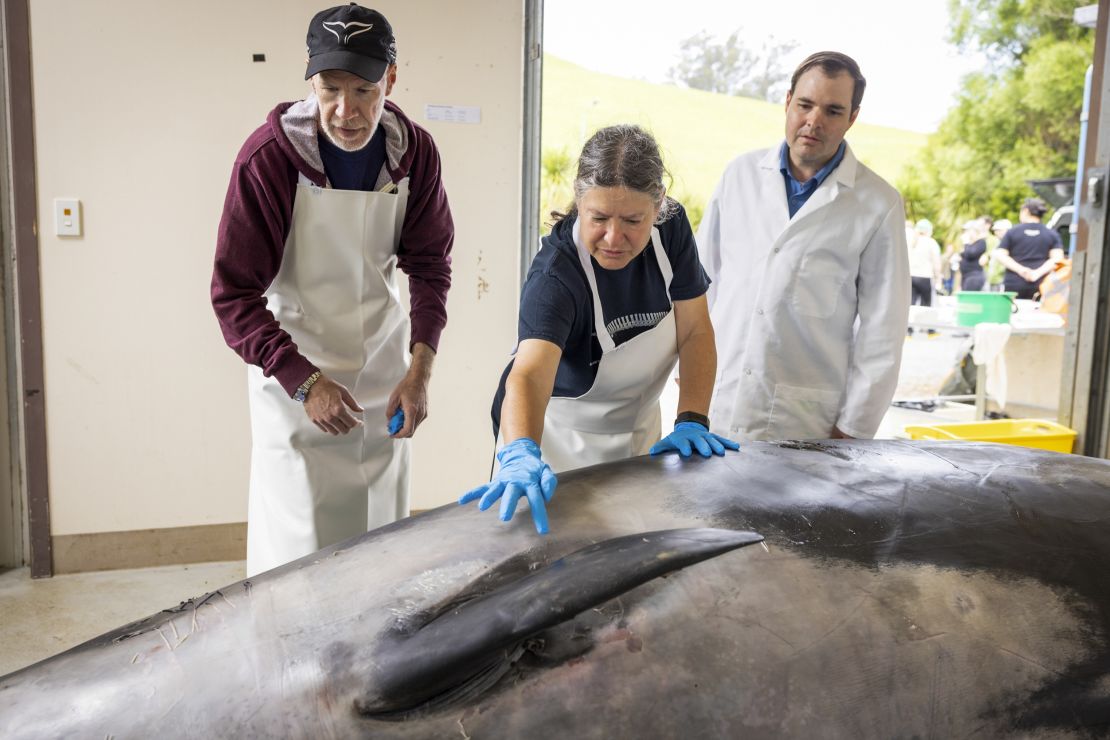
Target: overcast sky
x=912, y=72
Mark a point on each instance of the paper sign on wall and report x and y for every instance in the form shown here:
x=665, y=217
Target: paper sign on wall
x=453, y=113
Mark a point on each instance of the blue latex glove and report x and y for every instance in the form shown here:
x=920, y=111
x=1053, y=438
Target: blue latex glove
x=689, y=436
x=522, y=473
x=397, y=421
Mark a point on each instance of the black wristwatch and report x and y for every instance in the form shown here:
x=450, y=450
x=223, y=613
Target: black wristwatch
x=693, y=416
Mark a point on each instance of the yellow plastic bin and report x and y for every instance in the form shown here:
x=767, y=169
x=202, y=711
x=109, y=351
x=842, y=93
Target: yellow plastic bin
x=1039, y=433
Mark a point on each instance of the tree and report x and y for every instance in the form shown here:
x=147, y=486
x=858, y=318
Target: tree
x=557, y=184
x=730, y=69
x=704, y=65
x=1005, y=30
x=1015, y=121
x=768, y=79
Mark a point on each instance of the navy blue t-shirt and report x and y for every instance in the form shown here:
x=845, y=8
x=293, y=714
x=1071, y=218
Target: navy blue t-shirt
x=353, y=170
x=556, y=303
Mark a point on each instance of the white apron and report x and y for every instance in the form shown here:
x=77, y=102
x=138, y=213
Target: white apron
x=336, y=294
x=618, y=416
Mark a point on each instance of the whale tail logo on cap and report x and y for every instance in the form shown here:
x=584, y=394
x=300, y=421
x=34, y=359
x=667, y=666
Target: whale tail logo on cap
x=336, y=27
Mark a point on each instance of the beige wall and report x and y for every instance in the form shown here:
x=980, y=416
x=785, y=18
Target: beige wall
x=140, y=109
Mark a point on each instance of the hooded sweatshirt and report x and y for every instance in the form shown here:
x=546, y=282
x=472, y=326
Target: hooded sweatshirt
x=258, y=213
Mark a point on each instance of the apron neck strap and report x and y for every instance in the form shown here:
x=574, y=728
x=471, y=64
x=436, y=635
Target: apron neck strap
x=302, y=180
x=663, y=260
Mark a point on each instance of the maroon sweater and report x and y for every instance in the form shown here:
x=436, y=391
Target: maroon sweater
x=258, y=213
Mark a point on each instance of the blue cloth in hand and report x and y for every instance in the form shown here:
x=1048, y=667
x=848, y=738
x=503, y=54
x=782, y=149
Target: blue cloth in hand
x=689, y=436
x=523, y=473
x=397, y=421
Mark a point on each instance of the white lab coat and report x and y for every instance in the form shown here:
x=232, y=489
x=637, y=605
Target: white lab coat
x=810, y=312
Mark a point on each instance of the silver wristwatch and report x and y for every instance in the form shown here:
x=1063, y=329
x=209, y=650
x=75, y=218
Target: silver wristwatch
x=302, y=390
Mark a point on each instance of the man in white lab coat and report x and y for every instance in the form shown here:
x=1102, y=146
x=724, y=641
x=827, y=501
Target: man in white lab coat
x=807, y=251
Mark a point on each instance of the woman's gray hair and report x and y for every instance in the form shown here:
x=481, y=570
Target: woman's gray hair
x=622, y=156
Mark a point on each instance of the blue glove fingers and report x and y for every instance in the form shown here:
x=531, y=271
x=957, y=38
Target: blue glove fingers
x=690, y=436
x=726, y=442
x=494, y=489
x=397, y=421
x=513, y=492
x=548, y=481
x=539, y=511
x=476, y=492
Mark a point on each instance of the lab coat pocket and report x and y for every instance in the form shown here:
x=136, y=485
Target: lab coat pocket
x=817, y=284
x=802, y=413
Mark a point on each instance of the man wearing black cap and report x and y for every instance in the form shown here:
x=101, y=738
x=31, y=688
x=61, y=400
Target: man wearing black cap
x=1029, y=250
x=326, y=199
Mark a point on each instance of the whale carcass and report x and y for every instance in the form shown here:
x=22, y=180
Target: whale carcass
x=791, y=589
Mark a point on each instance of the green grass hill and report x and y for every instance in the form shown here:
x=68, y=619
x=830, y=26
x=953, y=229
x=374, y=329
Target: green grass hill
x=699, y=132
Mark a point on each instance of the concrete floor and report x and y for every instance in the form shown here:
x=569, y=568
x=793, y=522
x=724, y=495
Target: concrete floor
x=39, y=618
x=926, y=362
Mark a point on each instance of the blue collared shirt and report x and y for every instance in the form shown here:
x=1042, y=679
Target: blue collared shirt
x=797, y=193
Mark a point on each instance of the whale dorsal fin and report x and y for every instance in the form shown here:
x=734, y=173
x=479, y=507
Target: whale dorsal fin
x=466, y=641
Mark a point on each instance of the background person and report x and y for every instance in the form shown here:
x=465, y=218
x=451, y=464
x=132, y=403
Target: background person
x=950, y=266
x=995, y=270
x=925, y=267
x=802, y=241
x=325, y=198
x=1030, y=250
x=973, y=236
x=615, y=296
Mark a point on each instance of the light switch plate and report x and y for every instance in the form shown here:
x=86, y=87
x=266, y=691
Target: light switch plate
x=67, y=217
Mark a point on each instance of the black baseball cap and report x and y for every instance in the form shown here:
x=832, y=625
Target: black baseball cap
x=352, y=38
x=1035, y=206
